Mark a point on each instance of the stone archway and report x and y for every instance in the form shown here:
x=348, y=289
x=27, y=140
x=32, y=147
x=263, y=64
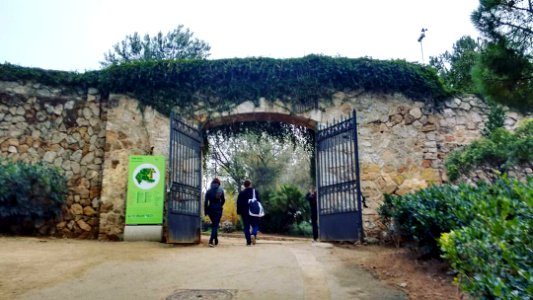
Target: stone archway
x=403, y=142
x=260, y=117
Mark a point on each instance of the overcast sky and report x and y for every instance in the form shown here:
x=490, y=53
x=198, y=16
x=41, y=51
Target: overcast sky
x=72, y=35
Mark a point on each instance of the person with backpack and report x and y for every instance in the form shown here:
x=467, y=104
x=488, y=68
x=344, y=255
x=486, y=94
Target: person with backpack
x=214, y=202
x=247, y=197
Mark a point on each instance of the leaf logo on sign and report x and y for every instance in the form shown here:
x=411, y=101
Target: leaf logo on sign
x=146, y=176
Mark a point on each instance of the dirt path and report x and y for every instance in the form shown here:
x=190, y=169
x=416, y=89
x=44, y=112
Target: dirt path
x=399, y=267
x=75, y=269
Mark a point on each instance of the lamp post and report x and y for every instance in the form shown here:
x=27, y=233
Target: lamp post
x=422, y=36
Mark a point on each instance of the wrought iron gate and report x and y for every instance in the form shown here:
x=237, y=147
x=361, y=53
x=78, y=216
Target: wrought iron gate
x=339, y=192
x=185, y=183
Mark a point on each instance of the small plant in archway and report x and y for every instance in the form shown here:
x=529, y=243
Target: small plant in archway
x=287, y=211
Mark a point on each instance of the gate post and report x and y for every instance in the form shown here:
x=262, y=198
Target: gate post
x=358, y=178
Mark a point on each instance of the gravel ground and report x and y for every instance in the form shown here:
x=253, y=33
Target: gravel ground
x=47, y=268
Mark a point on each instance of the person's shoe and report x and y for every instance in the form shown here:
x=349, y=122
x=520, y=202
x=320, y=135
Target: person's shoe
x=211, y=245
x=253, y=239
x=216, y=241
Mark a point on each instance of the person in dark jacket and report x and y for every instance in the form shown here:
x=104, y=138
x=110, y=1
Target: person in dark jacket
x=243, y=210
x=214, y=202
x=311, y=198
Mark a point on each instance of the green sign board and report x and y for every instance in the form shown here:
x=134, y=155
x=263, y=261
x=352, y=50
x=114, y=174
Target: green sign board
x=146, y=190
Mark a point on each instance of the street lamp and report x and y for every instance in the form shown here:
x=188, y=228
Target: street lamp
x=422, y=36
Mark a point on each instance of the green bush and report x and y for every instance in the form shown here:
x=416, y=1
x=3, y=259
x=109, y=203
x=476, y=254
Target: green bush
x=496, y=118
x=493, y=254
x=303, y=229
x=425, y=215
x=29, y=193
x=283, y=208
x=501, y=149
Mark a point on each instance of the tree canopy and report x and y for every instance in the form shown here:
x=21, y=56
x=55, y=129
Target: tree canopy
x=455, y=67
x=267, y=160
x=176, y=44
x=504, y=71
x=511, y=20
x=505, y=76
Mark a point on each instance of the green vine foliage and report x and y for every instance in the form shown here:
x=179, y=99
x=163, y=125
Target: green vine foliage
x=219, y=85
x=212, y=86
x=496, y=118
x=10, y=72
x=501, y=149
x=298, y=136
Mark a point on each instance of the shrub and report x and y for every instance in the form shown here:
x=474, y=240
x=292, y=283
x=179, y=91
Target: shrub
x=501, y=149
x=29, y=194
x=425, y=215
x=496, y=118
x=229, y=213
x=492, y=255
x=302, y=229
x=284, y=207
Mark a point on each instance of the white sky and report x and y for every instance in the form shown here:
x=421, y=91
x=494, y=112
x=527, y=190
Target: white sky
x=74, y=34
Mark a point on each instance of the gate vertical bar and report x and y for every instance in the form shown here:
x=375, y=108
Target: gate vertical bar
x=318, y=173
x=347, y=155
x=170, y=167
x=353, y=170
x=199, y=155
x=358, y=180
x=330, y=200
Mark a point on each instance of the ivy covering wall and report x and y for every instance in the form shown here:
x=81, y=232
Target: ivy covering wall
x=219, y=85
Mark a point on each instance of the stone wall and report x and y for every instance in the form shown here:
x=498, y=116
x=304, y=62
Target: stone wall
x=130, y=130
x=491, y=174
x=63, y=128
x=402, y=143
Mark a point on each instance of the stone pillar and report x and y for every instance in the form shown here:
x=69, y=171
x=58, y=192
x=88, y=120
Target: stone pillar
x=129, y=131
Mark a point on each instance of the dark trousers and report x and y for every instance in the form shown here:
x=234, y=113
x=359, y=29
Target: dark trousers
x=247, y=222
x=314, y=223
x=215, y=222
